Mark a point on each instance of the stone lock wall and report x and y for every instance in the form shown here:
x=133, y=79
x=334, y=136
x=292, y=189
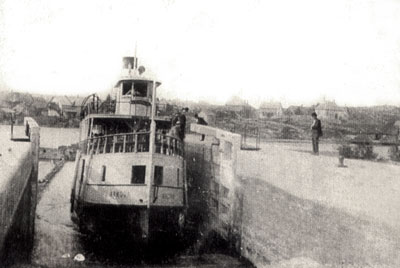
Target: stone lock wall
x=18, y=193
x=212, y=169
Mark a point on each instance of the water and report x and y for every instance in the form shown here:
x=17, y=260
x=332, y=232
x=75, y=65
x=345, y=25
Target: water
x=49, y=137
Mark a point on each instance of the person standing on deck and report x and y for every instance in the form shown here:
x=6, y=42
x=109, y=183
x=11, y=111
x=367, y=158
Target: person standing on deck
x=316, y=132
x=182, y=120
x=175, y=130
x=175, y=118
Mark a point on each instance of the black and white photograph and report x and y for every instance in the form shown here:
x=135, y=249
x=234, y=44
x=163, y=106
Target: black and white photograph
x=207, y=134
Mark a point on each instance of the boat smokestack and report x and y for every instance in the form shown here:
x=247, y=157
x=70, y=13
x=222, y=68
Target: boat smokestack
x=129, y=63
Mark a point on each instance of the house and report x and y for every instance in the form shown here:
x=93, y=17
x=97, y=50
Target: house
x=38, y=106
x=3, y=103
x=19, y=109
x=330, y=111
x=53, y=109
x=240, y=107
x=299, y=110
x=270, y=109
x=70, y=107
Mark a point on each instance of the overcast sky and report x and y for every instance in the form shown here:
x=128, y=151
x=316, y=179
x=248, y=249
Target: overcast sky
x=284, y=50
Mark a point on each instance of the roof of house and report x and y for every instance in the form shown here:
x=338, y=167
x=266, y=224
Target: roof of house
x=271, y=105
x=19, y=108
x=7, y=110
x=69, y=100
x=53, y=106
x=39, y=102
x=3, y=103
x=330, y=105
x=397, y=123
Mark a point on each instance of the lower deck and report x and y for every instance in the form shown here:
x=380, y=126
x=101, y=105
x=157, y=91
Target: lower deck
x=140, y=179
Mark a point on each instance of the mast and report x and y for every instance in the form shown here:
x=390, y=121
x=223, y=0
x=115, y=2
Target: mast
x=152, y=142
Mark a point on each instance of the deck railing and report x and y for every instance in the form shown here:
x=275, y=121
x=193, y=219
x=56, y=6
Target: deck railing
x=168, y=145
x=132, y=143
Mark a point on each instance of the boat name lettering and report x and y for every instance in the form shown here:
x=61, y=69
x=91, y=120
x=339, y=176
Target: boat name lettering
x=118, y=194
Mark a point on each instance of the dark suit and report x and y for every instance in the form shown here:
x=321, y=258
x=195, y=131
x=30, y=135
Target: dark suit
x=182, y=120
x=316, y=131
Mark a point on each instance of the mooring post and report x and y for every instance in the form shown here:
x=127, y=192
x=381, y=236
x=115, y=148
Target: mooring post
x=341, y=161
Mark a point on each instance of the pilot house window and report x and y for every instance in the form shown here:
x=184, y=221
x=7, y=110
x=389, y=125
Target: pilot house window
x=126, y=88
x=140, y=90
x=138, y=174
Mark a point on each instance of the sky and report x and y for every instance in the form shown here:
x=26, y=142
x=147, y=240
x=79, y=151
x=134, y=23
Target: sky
x=291, y=51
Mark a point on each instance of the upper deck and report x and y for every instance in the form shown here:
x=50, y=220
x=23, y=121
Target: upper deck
x=132, y=143
x=131, y=124
x=111, y=133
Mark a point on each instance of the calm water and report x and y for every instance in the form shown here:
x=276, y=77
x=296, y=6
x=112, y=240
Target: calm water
x=49, y=137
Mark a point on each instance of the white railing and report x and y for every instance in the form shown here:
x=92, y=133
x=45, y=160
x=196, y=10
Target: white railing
x=168, y=145
x=132, y=143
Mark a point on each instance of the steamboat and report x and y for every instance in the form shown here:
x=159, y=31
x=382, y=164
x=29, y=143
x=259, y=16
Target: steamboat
x=130, y=174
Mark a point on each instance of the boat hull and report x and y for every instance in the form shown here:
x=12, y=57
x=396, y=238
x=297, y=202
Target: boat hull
x=139, y=222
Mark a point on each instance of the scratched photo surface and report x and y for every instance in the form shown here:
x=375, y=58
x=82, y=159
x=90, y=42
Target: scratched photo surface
x=199, y=133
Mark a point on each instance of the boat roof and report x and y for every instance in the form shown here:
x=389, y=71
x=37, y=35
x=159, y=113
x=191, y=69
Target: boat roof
x=135, y=77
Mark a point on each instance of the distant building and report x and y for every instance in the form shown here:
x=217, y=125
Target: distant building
x=299, y=110
x=53, y=110
x=19, y=109
x=329, y=110
x=3, y=103
x=38, y=106
x=70, y=107
x=270, y=109
x=240, y=106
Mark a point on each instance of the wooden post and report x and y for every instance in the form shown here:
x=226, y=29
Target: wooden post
x=136, y=141
x=88, y=145
x=98, y=146
x=153, y=122
x=124, y=146
x=152, y=143
x=162, y=144
x=168, y=152
x=93, y=145
x=114, y=141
